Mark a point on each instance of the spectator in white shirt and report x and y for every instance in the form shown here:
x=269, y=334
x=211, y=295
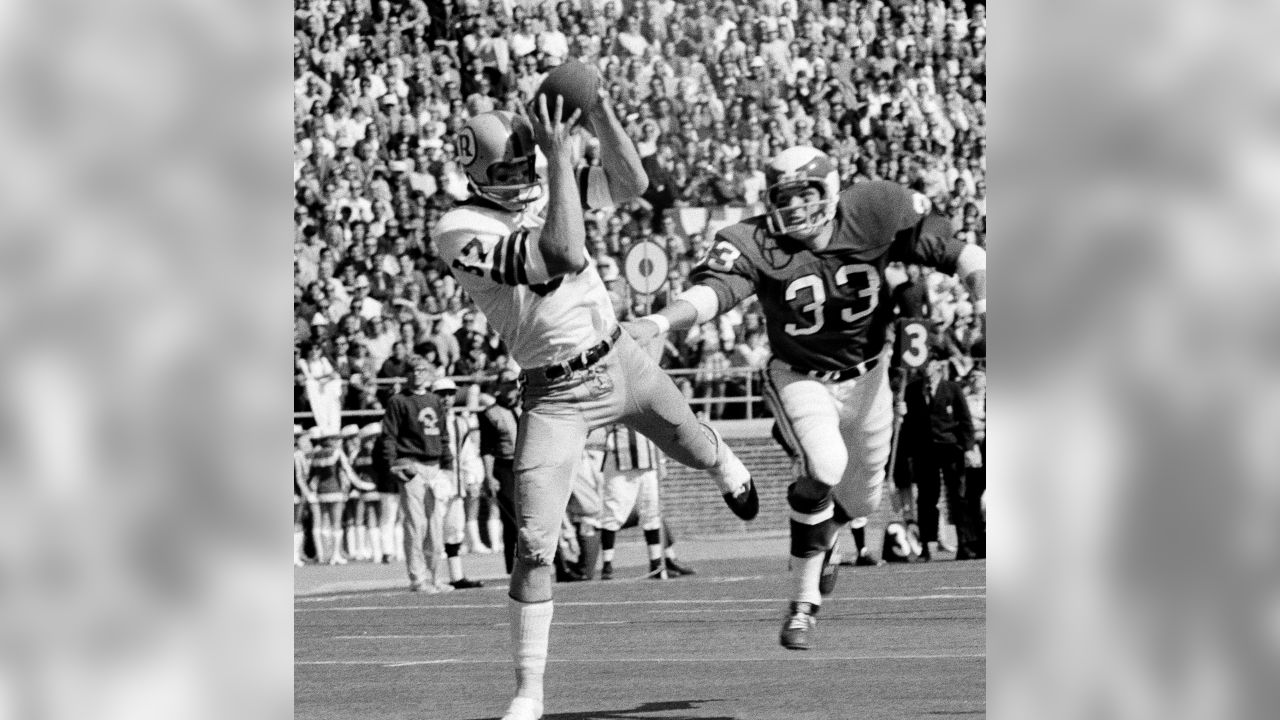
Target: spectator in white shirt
x=553, y=43
x=363, y=305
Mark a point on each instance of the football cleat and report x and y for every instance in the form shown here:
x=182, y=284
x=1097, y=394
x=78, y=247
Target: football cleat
x=865, y=559
x=465, y=584
x=657, y=570
x=830, y=573
x=796, y=628
x=675, y=569
x=606, y=571
x=746, y=502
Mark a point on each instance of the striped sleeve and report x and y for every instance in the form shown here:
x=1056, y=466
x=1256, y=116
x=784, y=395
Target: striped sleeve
x=512, y=260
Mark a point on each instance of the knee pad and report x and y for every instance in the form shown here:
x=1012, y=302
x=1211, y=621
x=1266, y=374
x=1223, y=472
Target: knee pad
x=808, y=497
x=813, y=521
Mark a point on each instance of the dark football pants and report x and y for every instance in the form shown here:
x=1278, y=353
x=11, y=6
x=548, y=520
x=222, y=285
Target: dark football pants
x=938, y=464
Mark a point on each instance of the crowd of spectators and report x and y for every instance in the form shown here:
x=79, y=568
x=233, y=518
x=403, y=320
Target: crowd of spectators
x=892, y=90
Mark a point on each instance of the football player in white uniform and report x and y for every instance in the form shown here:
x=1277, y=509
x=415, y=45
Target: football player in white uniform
x=518, y=249
x=816, y=261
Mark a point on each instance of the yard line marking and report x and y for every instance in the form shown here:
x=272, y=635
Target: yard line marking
x=962, y=587
x=594, y=603
x=390, y=637
x=787, y=658
x=717, y=611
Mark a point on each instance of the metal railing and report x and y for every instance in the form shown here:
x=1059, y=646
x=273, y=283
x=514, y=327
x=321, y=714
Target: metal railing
x=699, y=379
x=749, y=379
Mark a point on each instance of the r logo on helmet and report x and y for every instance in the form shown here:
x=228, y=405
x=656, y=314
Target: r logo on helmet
x=466, y=146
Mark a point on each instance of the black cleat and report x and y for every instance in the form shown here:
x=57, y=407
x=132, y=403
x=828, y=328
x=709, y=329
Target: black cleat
x=465, y=584
x=606, y=571
x=830, y=573
x=795, y=631
x=865, y=559
x=746, y=503
x=675, y=569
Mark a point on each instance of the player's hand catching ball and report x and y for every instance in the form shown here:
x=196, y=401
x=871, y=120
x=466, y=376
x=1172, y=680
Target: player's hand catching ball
x=551, y=129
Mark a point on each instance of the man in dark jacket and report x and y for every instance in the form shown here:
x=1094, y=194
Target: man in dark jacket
x=937, y=431
x=419, y=451
x=498, y=425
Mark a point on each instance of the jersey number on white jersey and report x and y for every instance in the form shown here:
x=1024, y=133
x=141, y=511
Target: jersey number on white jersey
x=503, y=262
x=863, y=278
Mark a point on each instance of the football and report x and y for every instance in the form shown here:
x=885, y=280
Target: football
x=577, y=82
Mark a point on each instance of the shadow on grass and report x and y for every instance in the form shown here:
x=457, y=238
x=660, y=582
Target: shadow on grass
x=640, y=712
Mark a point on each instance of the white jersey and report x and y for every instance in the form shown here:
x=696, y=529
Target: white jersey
x=495, y=257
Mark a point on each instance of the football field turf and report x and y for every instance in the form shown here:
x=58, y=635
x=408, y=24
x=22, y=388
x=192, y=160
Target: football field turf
x=895, y=641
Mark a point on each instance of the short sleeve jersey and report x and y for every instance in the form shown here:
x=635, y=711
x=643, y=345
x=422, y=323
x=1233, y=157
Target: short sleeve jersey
x=494, y=255
x=830, y=310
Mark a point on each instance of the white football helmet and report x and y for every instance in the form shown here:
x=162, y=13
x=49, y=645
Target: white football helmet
x=801, y=167
x=497, y=151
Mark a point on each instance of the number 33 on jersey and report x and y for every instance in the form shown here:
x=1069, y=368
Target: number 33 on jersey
x=827, y=311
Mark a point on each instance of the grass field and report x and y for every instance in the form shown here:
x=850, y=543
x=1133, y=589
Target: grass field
x=892, y=642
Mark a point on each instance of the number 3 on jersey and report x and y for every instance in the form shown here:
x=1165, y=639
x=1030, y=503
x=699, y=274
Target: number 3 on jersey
x=864, y=280
x=912, y=343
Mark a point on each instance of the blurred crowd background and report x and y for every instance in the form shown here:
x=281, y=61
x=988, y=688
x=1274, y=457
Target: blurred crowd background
x=709, y=92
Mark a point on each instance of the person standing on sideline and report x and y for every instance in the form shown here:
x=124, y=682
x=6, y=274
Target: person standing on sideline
x=454, y=512
x=498, y=424
x=418, y=449
x=937, y=431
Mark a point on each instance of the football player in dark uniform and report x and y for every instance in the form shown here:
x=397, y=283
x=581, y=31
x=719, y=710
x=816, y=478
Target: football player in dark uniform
x=816, y=261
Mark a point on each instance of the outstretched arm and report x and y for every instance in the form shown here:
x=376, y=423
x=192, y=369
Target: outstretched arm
x=563, y=238
x=622, y=167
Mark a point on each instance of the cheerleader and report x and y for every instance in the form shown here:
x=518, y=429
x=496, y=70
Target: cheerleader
x=304, y=496
x=331, y=477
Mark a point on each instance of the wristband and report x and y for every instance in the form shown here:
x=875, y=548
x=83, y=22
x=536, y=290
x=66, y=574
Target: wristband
x=664, y=325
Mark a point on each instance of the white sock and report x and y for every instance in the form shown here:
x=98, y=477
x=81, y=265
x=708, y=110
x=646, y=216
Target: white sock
x=325, y=551
x=297, y=544
x=607, y=555
x=389, y=540
x=655, y=552
x=362, y=541
x=530, y=637
x=375, y=539
x=473, y=535
x=455, y=568
x=805, y=574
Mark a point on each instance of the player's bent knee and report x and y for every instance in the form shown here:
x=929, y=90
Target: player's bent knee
x=529, y=582
x=806, y=489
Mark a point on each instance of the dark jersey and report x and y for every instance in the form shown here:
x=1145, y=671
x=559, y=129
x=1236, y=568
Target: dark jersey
x=416, y=427
x=830, y=310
